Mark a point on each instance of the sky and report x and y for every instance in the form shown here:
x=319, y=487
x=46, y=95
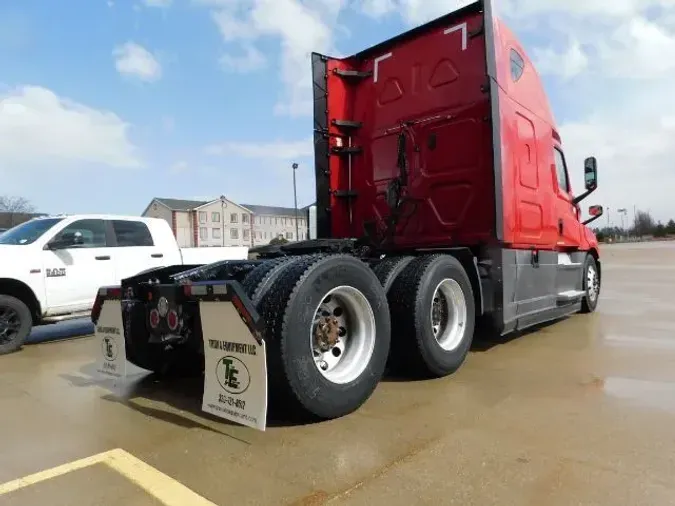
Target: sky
x=105, y=104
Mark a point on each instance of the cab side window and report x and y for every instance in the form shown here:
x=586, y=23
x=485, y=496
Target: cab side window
x=92, y=233
x=132, y=233
x=517, y=65
x=561, y=171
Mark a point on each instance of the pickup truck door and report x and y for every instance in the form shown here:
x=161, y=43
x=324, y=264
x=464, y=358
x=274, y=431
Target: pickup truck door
x=135, y=249
x=75, y=269
x=569, y=229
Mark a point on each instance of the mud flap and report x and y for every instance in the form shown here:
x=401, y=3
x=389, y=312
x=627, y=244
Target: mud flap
x=111, y=357
x=235, y=375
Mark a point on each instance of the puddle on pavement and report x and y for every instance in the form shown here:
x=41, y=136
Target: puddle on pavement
x=645, y=343
x=649, y=394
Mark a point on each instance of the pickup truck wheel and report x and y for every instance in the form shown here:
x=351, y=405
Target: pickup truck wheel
x=16, y=323
x=591, y=285
x=328, y=334
x=433, y=317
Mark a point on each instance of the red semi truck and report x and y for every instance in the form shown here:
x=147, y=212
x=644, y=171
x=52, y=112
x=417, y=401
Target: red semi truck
x=443, y=200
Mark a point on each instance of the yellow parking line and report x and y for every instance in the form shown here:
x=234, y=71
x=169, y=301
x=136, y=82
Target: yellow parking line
x=164, y=488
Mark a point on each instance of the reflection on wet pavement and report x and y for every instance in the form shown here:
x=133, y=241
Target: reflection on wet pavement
x=576, y=412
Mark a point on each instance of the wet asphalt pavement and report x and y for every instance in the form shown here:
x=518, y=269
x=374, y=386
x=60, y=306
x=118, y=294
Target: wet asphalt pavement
x=578, y=412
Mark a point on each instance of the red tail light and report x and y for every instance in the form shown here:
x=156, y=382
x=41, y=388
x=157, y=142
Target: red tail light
x=172, y=320
x=154, y=318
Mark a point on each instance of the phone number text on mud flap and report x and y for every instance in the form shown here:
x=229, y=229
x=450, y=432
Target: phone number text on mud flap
x=231, y=401
x=110, y=367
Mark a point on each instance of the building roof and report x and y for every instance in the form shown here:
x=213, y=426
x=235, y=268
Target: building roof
x=272, y=210
x=189, y=205
x=180, y=204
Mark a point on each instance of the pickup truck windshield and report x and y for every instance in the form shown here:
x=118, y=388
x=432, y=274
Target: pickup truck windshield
x=29, y=232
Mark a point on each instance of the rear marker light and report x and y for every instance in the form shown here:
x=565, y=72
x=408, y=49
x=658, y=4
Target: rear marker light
x=172, y=320
x=154, y=318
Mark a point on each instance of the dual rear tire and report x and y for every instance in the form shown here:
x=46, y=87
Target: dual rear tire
x=332, y=324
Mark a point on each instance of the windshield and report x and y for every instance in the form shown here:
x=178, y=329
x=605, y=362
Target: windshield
x=29, y=232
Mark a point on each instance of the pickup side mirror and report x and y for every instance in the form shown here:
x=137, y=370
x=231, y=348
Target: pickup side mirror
x=595, y=212
x=64, y=241
x=590, y=178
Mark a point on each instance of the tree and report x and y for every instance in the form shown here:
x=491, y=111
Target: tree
x=15, y=205
x=659, y=230
x=670, y=227
x=644, y=223
x=279, y=240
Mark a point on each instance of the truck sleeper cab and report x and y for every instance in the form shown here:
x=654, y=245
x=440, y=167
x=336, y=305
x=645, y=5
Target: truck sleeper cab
x=442, y=200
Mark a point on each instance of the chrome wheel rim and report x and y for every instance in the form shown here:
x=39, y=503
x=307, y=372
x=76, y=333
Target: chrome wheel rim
x=448, y=314
x=342, y=336
x=592, y=283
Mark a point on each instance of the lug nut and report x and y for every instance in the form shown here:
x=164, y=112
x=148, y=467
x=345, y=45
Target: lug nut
x=323, y=365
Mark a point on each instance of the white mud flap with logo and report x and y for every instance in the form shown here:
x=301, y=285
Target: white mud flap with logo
x=111, y=357
x=235, y=376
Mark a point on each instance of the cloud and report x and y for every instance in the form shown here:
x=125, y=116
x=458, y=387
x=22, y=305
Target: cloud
x=157, y=3
x=276, y=150
x=132, y=59
x=179, y=167
x=250, y=60
x=298, y=26
x=42, y=131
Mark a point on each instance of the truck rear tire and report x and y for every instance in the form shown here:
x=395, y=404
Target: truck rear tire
x=315, y=302
x=259, y=280
x=389, y=268
x=591, y=285
x=16, y=322
x=433, y=317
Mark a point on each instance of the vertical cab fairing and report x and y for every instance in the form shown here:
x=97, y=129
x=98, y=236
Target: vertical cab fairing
x=409, y=118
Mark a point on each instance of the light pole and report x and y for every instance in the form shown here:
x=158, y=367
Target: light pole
x=222, y=219
x=295, y=199
x=622, y=212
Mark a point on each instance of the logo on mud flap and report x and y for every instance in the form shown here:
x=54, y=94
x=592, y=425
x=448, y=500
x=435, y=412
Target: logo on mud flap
x=109, y=347
x=233, y=375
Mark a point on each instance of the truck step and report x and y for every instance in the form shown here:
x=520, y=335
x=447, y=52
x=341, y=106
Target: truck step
x=347, y=150
x=352, y=75
x=570, y=295
x=65, y=317
x=346, y=123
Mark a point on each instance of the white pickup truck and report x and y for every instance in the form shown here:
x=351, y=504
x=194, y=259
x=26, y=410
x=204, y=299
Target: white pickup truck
x=52, y=267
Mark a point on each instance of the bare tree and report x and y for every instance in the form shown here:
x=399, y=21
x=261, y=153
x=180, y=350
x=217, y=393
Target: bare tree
x=15, y=205
x=15, y=210
x=644, y=223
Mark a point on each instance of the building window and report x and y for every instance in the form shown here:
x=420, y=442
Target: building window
x=215, y=233
x=276, y=221
x=244, y=218
x=259, y=235
x=246, y=235
x=203, y=233
x=202, y=216
x=517, y=65
x=215, y=217
x=265, y=235
x=289, y=235
x=234, y=218
x=234, y=233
